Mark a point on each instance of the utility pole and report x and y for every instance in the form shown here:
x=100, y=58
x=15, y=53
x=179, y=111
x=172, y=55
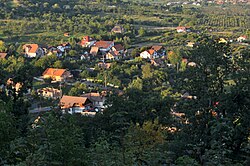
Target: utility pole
x=60, y=88
x=105, y=75
x=105, y=79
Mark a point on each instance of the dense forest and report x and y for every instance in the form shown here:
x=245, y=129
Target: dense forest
x=173, y=114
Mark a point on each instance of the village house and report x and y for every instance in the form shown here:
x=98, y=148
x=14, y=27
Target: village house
x=51, y=50
x=104, y=46
x=3, y=55
x=85, y=55
x=67, y=46
x=94, y=51
x=113, y=55
x=149, y=54
x=97, y=99
x=183, y=29
x=62, y=49
x=16, y=86
x=119, y=48
x=50, y=93
x=74, y=104
x=241, y=39
x=87, y=41
x=118, y=29
x=32, y=50
x=58, y=75
x=159, y=50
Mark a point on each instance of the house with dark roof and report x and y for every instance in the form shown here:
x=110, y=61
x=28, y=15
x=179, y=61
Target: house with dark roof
x=119, y=48
x=32, y=50
x=97, y=99
x=58, y=75
x=74, y=104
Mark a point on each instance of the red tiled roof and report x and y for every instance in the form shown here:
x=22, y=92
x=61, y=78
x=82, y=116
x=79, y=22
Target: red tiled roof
x=32, y=47
x=103, y=44
x=54, y=72
x=151, y=51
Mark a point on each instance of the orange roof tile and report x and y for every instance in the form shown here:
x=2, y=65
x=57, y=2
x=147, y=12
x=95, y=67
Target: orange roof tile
x=54, y=72
x=103, y=44
x=151, y=51
x=32, y=47
x=85, y=40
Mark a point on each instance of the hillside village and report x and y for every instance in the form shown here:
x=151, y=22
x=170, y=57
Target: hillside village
x=121, y=82
x=103, y=52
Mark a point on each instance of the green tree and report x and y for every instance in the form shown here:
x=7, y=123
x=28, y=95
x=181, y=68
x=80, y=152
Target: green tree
x=185, y=160
x=73, y=53
x=78, y=89
x=141, y=32
x=8, y=130
x=142, y=141
x=58, y=64
x=58, y=140
x=174, y=57
x=213, y=118
x=135, y=52
x=136, y=84
x=2, y=46
x=146, y=71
